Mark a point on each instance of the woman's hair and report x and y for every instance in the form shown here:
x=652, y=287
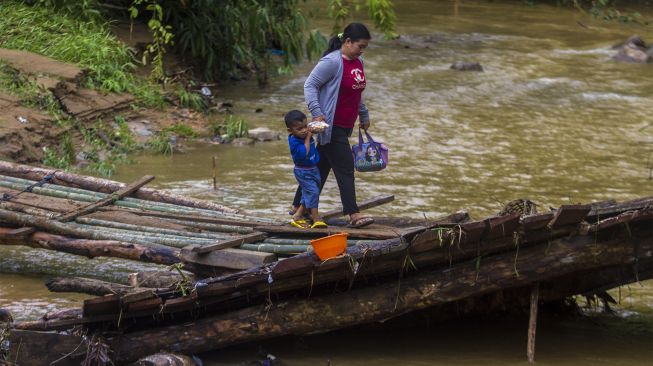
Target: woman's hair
x=353, y=31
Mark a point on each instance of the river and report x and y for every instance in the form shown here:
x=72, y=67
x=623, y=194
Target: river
x=551, y=119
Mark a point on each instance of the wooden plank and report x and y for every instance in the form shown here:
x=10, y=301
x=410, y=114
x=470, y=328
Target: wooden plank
x=536, y=222
x=179, y=303
x=227, y=258
x=569, y=215
x=120, y=194
x=137, y=296
x=473, y=231
x=386, y=233
x=502, y=226
x=230, y=243
x=142, y=305
x=108, y=304
x=372, y=202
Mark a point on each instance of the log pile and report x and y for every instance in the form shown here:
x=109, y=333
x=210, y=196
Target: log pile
x=242, y=294
x=575, y=249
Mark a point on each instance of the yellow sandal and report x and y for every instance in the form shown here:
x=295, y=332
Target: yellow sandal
x=319, y=225
x=301, y=223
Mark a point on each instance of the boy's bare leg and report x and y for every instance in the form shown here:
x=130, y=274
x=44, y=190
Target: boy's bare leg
x=299, y=214
x=314, y=214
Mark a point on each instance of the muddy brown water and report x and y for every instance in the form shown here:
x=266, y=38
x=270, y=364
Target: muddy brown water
x=551, y=118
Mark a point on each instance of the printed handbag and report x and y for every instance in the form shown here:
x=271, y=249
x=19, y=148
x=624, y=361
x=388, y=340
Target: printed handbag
x=369, y=156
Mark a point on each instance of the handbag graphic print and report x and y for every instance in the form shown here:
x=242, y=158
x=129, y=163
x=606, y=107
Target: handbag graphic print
x=370, y=156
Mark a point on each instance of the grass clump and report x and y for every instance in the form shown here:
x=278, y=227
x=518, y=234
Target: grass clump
x=55, y=34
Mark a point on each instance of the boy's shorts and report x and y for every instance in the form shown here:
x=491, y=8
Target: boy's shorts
x=309, y=181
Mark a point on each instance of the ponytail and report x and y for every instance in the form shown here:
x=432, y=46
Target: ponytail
x=353, y=31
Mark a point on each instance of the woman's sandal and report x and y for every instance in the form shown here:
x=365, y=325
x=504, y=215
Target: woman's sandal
x=361, y=221
x=319, y=225
x=301, y=223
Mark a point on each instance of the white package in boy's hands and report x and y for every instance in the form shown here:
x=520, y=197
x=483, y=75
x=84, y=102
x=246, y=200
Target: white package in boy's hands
x=317, y=126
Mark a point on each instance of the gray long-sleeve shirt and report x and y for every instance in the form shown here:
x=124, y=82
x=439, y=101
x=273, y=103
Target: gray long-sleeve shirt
x=321, y=92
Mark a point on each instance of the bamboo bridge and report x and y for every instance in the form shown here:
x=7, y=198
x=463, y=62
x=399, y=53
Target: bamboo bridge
x=241, y=277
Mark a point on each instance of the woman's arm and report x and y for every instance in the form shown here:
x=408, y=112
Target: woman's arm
x=363, y=115
x=324, y=71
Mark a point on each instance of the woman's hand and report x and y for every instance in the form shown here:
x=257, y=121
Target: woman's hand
x=365, y=125
x=318, y=118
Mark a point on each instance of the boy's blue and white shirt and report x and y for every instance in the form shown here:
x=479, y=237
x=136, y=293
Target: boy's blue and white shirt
x=298, y=152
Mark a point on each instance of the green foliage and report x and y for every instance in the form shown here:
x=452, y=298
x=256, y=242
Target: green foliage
x=602, y=9
x=381, y=12
x=161, y=143
x=180, y=130
x=124, y=135
x=85, y=9
x=339, y=11
x=52, y=159
x=161, y=34
x=236, y=127
x=28, y=91
x=192, y=100
x=233, y=127
x=232, y=37
x=316, y=44
x=64, y=37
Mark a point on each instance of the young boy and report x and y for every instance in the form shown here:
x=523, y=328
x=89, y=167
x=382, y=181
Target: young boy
x=305, y=156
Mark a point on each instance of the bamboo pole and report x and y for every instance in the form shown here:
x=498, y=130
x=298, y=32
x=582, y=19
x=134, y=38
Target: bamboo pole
x=141, y=228
x=276, y=248
x=105, y=185
x=129, y=202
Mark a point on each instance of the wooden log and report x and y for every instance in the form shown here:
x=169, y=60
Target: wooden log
x=157, y=279
x=227, y=258
x=561, y=257
x=105, y=185
x=86, y=286
x=51, y=347
x=94, y=248
x=231, y=243
x=367, y=204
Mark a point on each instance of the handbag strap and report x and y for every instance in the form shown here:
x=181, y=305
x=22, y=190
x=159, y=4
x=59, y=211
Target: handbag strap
x=360, y=138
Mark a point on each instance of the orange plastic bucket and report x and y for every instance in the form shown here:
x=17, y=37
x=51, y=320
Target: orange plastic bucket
x=330, y=246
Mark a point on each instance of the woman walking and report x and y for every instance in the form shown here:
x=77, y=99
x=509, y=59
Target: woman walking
x=333, y=93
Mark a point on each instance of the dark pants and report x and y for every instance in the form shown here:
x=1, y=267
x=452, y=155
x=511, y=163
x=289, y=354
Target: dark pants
x=336, y=155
